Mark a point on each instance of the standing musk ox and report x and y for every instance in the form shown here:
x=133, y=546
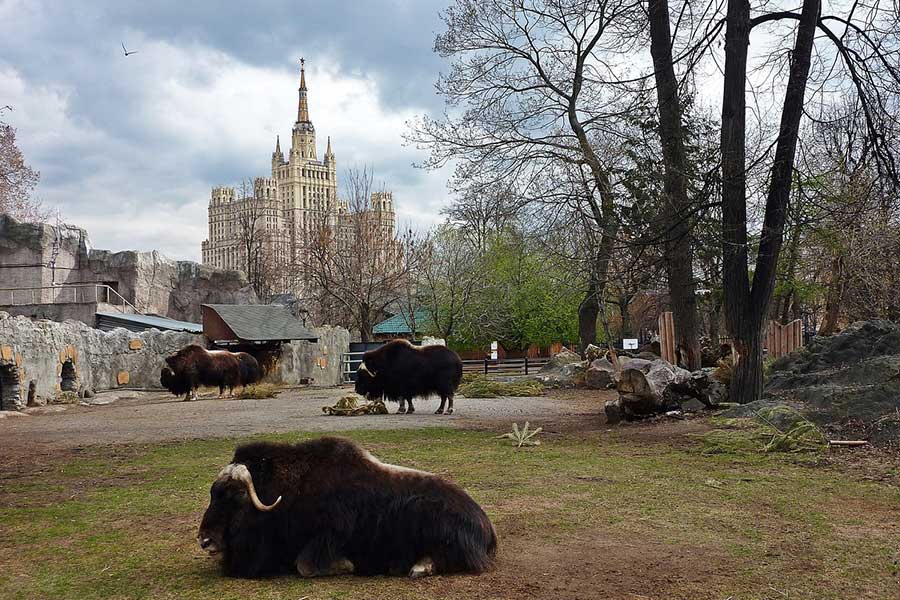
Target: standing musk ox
x=328, y=507
x=400, y=371
x=194, y=365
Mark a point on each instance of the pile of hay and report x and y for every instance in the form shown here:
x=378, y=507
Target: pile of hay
x=482, y=387
x=350, y=405
x=257, y=391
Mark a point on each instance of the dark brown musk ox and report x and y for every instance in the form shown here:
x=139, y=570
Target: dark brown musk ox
x=328, y=507
x=194, y=366
x=399, y=371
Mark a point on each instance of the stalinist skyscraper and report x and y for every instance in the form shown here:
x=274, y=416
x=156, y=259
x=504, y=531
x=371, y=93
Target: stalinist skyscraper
x=301, y=195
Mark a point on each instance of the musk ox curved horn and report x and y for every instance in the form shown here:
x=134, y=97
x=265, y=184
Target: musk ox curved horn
x=364, y=369
x=242, y=474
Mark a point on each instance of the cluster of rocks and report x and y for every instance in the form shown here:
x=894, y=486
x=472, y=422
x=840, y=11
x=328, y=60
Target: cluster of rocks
x=647, y=385
x=848, y=384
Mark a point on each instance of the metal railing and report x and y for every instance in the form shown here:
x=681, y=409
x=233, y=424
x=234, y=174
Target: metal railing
x=512, y=366
x=75, y=293
x=507, y=366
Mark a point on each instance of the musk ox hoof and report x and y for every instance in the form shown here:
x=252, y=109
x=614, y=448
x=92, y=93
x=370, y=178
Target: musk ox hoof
x=422, y=568
x=449, y=411
x=338, y=567
x=410, y=411
x=439, y=411
x=401, y=411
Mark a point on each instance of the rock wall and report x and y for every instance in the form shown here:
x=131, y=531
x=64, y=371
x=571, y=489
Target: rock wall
x=38, y=350
x=319, y=363
x=42, y=255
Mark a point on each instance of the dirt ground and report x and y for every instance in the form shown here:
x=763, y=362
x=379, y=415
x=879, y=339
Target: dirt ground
x=145, y=417
x=589, y=563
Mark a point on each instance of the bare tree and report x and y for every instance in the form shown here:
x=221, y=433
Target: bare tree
x=534, y=79
x=355, y=267
x=679, y=258
x=256, y=239
x=17, y=180
x=452, y=275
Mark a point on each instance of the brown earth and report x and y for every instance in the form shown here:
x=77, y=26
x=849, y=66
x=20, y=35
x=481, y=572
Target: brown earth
x=581, y=566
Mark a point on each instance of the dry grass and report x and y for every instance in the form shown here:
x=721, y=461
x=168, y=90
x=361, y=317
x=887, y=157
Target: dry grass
x=482, y=387
x=257, y=390
x=585, y=510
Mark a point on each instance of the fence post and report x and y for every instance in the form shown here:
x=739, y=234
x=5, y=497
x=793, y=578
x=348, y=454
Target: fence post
x=526, y=364
x=485, y=366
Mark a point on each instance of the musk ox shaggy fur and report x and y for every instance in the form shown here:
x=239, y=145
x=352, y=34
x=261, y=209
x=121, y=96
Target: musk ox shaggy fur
x=194, y=366
x=400, y=372
x=328, y=507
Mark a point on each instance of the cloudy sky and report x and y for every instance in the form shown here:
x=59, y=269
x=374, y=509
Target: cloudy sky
x=129, y=147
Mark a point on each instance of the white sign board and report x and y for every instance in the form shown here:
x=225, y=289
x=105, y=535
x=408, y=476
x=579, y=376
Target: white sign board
x=493, y=350
x=629, y=344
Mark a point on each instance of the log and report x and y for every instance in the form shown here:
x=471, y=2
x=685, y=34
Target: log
x=849, y=443
x=643, y=389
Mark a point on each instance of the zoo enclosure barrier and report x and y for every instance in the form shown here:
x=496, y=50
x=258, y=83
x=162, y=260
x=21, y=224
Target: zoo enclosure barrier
x=75, y=293
x=350, y=362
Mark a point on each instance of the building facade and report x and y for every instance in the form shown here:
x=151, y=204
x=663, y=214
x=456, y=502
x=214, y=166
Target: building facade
x=285, y=210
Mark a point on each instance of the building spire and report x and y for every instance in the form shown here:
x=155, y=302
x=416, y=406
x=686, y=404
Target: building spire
x=303, y=108
x=277, y=144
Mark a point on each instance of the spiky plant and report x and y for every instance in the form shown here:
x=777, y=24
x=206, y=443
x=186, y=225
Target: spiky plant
x=522, y=437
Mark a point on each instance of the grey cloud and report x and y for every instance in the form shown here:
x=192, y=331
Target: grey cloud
x=115, y=156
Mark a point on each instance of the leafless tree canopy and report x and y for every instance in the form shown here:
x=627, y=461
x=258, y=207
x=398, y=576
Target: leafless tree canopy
x=17, y=180
x=354, y=272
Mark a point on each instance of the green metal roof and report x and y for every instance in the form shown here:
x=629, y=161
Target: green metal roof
x=400, y=323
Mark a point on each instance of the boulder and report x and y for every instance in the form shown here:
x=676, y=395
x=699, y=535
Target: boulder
x=600, y=375
x=592, y=352
x=566, y=369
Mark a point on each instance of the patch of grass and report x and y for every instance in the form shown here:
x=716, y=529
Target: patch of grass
x=124, y=526
x=257, y=390
x=483, y=387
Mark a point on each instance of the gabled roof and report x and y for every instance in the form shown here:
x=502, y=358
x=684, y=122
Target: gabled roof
x=110, y=320
x=259, y=322
x=400, y=323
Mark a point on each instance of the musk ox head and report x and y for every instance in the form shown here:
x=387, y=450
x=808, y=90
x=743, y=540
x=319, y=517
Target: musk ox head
x=232, y=500
x=177, y=384
x=184, y=358
x=368, y=384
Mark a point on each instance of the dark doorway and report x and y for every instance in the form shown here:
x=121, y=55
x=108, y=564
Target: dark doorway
x=68, y=378
x=9, y=387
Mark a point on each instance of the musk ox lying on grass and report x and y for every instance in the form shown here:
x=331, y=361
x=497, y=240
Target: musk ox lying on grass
x=194, y=366
x=400, y=372
x=328, y=507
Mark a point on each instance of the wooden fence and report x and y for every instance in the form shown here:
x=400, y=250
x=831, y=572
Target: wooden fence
x=784, y=339
x=667, y=338
x=511, y=366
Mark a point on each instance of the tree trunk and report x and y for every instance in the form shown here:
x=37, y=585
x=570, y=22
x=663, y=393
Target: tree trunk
x=365, y=324
x=834, y=296
x=746, y=306
x=588, y=311
x=625, y=316
x=679, y=257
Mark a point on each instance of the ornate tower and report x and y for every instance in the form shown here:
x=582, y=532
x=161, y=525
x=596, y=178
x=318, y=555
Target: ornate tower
x=303, y=140
x=277, y=156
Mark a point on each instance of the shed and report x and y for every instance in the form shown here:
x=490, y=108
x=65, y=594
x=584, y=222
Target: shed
x=252, y=324
x=108, y=321
x=400, y=325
